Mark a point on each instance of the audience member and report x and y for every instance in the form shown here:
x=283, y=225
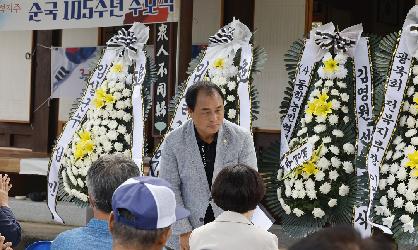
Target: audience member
x=144, y=208
x=237, y=190
x=341, y=237
x=9, y=227
x=103, y=177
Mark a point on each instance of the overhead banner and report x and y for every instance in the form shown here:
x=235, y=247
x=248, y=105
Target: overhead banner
x=70, y=68
x=68, y=14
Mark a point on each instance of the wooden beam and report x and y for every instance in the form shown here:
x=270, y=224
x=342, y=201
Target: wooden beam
x=308, y=16
x=185, y=38
x=240, y=9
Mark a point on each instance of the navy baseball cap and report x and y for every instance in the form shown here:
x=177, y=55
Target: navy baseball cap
x=149, y=200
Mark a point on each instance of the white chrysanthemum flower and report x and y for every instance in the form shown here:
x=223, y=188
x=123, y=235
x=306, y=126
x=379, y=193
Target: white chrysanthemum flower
x=342, y=85
x=410, y=195
x=401, y=188
x=323, y=163
x=390, y=179
x=400, y=146
x=287, y=209
x=402, y=121
x=345, y=97
x=389, y=155
x=302, y=131
x=415, y=70
x=398, y=202
x=410, y=207
x=318, y=83
x=279, y=174
x=384, y=201
x=411, y=133
x=333, y=119
x=405, y=107
x=413, y=184
x=409, y=227
x=382, y=184
x=405, y=218
x=344, y=109
x=337, y=133
x=410, y=122
x=298, y=212
x=326, y=140
x=313, y=139
x=230, y=98
x=219, y=80
x=336, y=163
x=333, y=175
x=414, y=140
x=318, y=213
x=334, y=150
x=232, y=113
x=320, y=175
x=343, y=190
x=332, y=202
x=279, y=193
x=320, y=119
x=121, y=129
x=127, y=117
x=315, y=93
x=308, y=118
x=392, y=193
x=348, y=167
x=349, y=148
x=381, y=210
x=325, y=188
x=328, y=83
x=401, y=174
x=335, y=104
x=346, y=119
x=323, y=151
x=118, y=146
x=397, y=140
x=387, y=221
x=298, y=185
x=311, y=193
x=295, y=194
x=231, y=85
x=309, y=184
x=320, y=128
x=397, y=155
x=335, y=91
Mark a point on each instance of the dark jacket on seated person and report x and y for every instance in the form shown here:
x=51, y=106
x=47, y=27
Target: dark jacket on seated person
x=9, y=227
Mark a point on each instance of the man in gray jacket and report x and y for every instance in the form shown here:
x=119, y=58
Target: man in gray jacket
x=193, y=155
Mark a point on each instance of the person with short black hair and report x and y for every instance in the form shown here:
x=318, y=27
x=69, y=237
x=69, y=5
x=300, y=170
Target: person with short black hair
x=103, y=177
x=193, y=154
x=237, y=190
x=143, y=210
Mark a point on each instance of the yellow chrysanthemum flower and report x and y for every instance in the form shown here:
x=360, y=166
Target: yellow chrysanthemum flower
x=117, y=68
x=101, y=98
x=219, y=63
x=330, y=65
x=413, y=160
x=416, y=99
x=84, y=146
x=319, y=106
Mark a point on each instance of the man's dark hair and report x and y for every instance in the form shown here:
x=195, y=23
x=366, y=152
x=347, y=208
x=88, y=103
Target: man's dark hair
x=126, y=235
x=205, y=86
x=105, y=175
x=238, y=188
x=340, y=237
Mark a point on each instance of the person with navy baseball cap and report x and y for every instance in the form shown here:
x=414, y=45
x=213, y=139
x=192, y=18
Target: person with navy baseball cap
x=144, y=208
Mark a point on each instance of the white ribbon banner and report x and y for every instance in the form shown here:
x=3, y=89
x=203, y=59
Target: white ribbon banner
x=226, y=41
x=364, y=113
x=296, y=158
x=138, y=112
x=243, y=87
x=393, y=99
x=71, y=127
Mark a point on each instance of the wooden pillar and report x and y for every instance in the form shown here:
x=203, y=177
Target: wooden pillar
x=240, y=9
x=185, y=38
x=44, y=111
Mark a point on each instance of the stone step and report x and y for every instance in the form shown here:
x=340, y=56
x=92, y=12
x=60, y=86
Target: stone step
x=31, y=211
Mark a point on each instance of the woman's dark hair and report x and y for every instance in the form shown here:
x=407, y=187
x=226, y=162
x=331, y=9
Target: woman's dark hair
x=207, y=87
x=238, y=188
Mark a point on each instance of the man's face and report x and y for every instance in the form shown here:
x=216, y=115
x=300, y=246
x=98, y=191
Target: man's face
x=208, y=113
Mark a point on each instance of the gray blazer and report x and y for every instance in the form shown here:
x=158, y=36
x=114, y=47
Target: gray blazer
x=182, y=166
x=232, y=231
